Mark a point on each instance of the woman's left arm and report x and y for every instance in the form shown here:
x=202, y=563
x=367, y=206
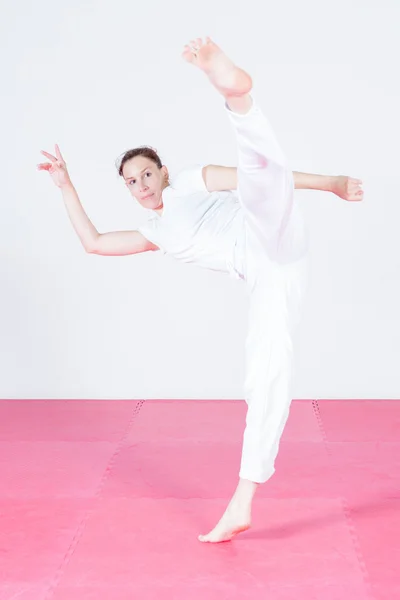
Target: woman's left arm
x=218, y=178
x=345, y=187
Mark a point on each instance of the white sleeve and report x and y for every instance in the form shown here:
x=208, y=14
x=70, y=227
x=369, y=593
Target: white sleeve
x=149, y=231
x=189, y=180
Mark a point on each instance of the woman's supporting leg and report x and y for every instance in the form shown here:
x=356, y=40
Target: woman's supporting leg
x=276, y=294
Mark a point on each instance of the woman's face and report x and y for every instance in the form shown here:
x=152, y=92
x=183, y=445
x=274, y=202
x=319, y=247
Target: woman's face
x=145, y=181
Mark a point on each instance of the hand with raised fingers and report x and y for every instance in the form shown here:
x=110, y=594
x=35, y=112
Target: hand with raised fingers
x=57, y=168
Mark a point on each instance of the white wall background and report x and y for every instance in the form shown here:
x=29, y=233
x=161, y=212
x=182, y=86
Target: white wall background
x=99, y=77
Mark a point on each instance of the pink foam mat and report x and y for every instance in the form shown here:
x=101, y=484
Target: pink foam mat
x=65, y=420
x=226, y=588
x=34, y=537
x=105, y=499
x=360, y=421
x=209, y=469
x=212, y=421
x=277, y=551
x=52, y=469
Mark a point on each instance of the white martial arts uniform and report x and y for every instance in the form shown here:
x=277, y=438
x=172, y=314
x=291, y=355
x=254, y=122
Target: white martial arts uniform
x=256, y=234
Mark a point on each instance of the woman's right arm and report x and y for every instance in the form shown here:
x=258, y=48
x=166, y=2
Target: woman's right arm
x=115, y=243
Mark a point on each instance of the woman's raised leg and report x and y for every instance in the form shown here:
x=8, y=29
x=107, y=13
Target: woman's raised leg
x=265, y=182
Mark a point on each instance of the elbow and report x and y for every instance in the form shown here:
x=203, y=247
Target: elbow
x=90, y=247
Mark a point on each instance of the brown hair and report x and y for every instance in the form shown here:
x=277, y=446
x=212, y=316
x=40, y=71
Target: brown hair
x=145, y=151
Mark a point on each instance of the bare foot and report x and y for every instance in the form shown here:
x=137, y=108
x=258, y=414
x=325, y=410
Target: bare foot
x=236, y=518
x=229, y=79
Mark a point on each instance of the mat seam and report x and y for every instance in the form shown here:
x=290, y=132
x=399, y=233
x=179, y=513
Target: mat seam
x=78, y=534
x=346, y=511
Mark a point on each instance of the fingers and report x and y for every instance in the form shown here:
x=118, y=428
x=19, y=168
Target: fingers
x=355, y=192
x=50, y=167
x=54, y=159
x=49, y=156
x=58, y=153
x=356, y=197
x=354, y=180
x=57, y=162
x=350, y=189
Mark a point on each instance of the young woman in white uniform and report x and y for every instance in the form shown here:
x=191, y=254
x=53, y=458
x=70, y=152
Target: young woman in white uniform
x=241, y=221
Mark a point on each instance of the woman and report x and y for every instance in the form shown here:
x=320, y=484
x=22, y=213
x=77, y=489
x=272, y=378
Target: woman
x=255, y=233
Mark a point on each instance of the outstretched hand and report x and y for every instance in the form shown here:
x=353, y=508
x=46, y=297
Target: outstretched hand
x=348, y=188
x=56, y=167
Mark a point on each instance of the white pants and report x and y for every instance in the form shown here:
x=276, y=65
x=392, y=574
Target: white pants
x=276, y=273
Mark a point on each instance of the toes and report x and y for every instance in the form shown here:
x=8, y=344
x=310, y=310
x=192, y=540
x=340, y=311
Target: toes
x=188, y=54
x=196, y=44
x=190, y=51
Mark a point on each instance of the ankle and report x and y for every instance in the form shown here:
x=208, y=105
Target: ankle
x=239, y=104
x=246, y=489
